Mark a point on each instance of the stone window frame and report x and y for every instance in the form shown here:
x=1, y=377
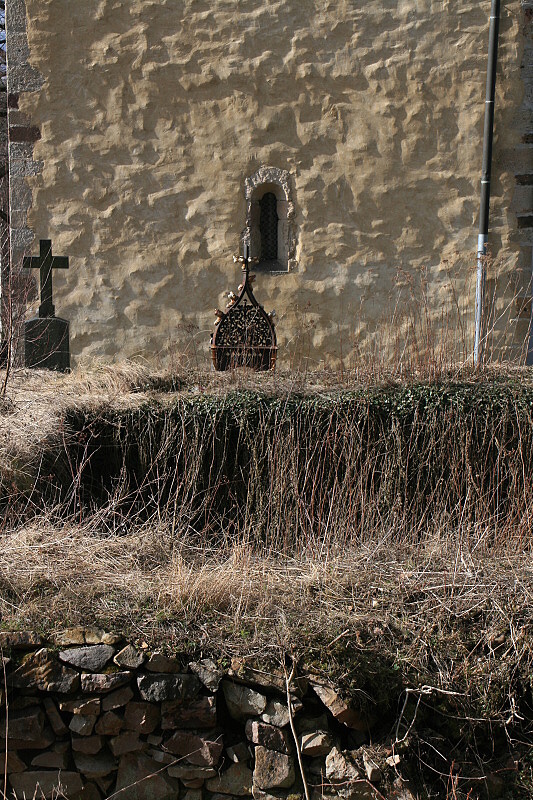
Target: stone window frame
x=278, y=181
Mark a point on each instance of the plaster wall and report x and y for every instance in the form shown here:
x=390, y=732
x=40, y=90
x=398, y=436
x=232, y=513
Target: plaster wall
x=152, y=115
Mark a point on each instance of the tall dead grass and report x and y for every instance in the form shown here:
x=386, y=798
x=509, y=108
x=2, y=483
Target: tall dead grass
x=147, y=497
x=293, y=473
x=169, y=512
x=374, y=523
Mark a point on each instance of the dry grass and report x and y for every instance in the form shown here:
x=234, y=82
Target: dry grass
x=410, y=632
x=415, y=606
x=234, y=600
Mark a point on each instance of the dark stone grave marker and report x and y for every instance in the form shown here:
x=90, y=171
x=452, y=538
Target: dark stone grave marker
x=46, y=337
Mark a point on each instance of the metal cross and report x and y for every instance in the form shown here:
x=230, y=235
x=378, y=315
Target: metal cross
x=46, y=262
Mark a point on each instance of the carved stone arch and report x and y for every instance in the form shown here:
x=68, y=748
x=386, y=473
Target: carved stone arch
x=277, y=182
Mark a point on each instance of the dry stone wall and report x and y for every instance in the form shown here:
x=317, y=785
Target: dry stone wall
x=101, y=718
x=137, y=125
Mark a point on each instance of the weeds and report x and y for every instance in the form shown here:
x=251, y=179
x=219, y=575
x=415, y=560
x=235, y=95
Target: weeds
x=377, y=519
x=236, y=506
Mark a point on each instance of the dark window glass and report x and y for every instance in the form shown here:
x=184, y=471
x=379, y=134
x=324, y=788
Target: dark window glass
x=268, y=227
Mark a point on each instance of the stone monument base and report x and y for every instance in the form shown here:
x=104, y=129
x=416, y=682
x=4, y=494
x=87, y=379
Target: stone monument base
x=46, y=344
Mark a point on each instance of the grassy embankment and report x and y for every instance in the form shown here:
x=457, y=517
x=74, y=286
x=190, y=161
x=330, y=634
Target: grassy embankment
x=381, y=534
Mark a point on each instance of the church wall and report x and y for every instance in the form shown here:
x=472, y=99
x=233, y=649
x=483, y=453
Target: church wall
x=151, y=117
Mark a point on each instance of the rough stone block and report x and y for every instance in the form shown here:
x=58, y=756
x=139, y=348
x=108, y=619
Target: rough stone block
x=238, y=752
x=19, y=51
x=27, y=729
x=274, y=681
x=92, y=657
x=109, y=724
x=25, y=167
x=54, y=717
x=19, y=640
x=53, y=759
x=22, y=239
x=315, y=744
x=126, y=742
x=259, y=794
x=142, y=717
x=340, y=767
x=373, y=772
x=243, y=702
x=79, y=635
x=199, y=714
x=19, y=252
x=95, y=766
x=70, y=636
x=196, y=749
x=139, y=778
x=87, y=707
x=20, y=194
x=24, y=78
x=276, y=713
x=104, y=784
x=273, y=770
x=46, y=784
x=268, y=736
x=193, y=794
x=117, y=699
x=360, y=790
x=161, y=663
x=339, y=708
x=89, y=792
x=206, y=670
x=83, y=725
x=159, y=687
x=163, y=758
x=102, y=683
x=18, y=219
x=237, y=781
x=130, y=658
x=195, y=783
x=188, y=773
x=90, y=745
x=98, y=636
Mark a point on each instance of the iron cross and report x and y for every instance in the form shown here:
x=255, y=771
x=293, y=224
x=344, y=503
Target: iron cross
x=46, y=262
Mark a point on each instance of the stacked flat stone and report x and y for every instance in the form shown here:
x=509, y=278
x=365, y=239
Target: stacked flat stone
x=98, y=718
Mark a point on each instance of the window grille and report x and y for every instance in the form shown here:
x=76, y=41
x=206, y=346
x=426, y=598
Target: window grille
x=268, y=227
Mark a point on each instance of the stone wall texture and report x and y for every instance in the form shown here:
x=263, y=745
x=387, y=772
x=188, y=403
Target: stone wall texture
x=144, y=120
x=95, y=717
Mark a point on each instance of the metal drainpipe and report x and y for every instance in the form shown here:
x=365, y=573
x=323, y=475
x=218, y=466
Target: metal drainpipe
x=485, y=177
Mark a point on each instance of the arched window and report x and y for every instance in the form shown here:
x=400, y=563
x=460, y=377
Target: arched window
x=270, y=232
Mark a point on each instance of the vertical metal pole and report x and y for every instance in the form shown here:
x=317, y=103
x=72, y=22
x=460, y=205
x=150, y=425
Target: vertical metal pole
x=485, y=178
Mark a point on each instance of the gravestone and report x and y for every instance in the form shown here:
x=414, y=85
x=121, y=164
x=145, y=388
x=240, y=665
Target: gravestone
x=46, y=337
